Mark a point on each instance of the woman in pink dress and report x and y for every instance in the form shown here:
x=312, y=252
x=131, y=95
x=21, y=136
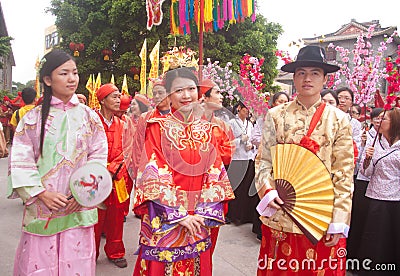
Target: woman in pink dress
x=51, y=141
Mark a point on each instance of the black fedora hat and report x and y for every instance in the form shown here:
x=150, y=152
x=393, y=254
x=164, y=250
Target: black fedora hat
x=310, y=56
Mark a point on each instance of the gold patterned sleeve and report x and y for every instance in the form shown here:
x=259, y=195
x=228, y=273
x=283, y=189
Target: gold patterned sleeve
x=342, y=169
x=263, y=163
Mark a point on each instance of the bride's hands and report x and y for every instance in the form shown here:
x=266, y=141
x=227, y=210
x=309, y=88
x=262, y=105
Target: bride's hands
x=193, y=224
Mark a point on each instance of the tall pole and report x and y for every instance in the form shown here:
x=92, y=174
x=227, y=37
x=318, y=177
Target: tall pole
x=201, y=22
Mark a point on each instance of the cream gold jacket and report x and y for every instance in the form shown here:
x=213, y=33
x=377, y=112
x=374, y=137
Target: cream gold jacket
x=288, y=123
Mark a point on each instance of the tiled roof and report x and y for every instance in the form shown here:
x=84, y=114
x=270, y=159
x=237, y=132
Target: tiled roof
x=354, y=29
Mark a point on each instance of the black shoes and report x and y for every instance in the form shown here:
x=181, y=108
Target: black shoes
x=120, y=262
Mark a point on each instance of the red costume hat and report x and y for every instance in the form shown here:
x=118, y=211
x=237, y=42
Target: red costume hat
x=205, y=86
x=157, y=81
x=141, y=98
x=105, y=90
x=125, y=102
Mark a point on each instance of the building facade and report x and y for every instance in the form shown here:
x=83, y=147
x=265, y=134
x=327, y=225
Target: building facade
x=7, y=61
x=51, y=38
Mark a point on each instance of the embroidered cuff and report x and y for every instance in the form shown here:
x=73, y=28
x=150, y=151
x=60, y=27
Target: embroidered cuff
x=262, y=208
x=29, y=194
x=212, y=212
x=163, y=218
x=338, y=228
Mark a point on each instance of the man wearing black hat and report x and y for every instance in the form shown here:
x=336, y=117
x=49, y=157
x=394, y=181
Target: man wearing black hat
x=326, y=132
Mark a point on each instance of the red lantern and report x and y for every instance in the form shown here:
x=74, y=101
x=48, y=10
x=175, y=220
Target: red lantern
x=106, y=54
x=76, y=48
x=72, y=46
x=81, y=47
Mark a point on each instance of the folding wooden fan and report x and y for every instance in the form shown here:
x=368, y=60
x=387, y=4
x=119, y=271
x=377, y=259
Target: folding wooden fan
x=304, y=184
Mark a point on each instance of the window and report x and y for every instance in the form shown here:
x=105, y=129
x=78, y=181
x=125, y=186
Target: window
x=51, y=40
x=54, y=37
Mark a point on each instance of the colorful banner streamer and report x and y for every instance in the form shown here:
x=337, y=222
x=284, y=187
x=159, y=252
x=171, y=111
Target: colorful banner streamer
x=155, y=64
x=90, y=88
x=154, y=13
x=37, y=81
x=96, y=86
x=124, y=89
x=142, y=55
x=185, y=14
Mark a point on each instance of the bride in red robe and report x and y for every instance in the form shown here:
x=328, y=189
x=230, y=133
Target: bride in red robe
x=182, y=187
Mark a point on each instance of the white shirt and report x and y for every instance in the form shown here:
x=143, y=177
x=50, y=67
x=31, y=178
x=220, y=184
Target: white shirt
x=240, y=128
x=107, y=122
x=384, y=171
x=380, y=145
x=357, y=132
x=257, y=134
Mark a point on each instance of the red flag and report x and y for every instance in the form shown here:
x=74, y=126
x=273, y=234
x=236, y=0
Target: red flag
x=379, y=102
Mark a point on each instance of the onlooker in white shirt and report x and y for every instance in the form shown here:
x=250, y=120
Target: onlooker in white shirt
x=241, y=170
x=380, y=240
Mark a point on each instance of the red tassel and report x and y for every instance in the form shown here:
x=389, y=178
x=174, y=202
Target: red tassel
x=48, y=221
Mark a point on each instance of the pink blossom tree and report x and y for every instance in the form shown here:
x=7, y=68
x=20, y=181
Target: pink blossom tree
x=246, y=86
x=361, y=68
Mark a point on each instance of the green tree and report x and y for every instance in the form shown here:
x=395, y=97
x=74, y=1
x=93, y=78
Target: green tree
x=5, y=47
x=19, y=85
x=30, y=83
x=120, y=25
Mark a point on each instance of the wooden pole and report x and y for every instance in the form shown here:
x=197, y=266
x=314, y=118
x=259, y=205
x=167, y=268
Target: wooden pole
x=201, y=31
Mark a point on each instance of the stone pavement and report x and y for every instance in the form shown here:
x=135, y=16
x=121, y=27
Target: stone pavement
x=235, y=254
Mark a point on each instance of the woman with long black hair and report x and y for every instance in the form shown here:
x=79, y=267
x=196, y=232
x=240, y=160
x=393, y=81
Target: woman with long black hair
x=51, y=141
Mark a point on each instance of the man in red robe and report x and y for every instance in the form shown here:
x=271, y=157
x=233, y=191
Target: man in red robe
x=111, y=220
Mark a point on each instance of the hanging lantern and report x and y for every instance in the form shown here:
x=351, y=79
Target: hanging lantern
x=81, y=47
x=135, y=72
x=106, y=54
x=76, y=48
x=72, y=46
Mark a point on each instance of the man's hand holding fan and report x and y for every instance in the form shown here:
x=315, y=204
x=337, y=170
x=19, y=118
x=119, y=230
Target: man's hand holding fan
x=303, y=189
